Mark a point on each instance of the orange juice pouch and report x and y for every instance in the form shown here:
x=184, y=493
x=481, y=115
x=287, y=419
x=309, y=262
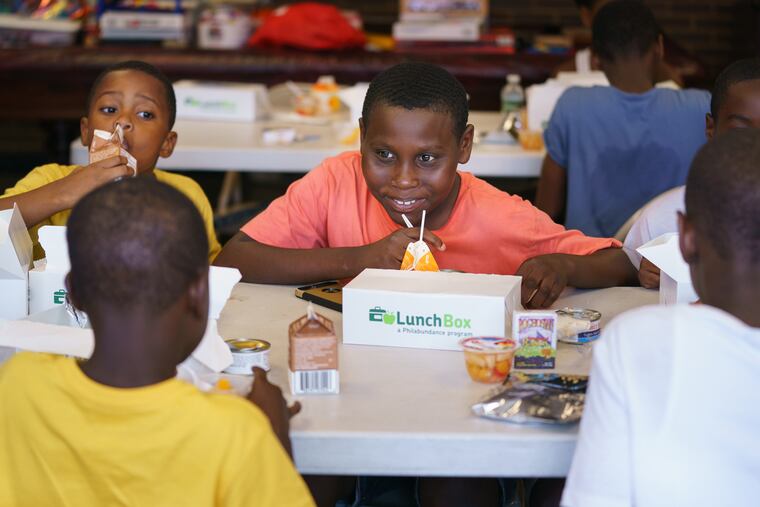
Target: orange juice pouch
x=418, y=257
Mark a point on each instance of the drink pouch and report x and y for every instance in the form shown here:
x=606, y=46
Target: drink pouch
x=418, y=257
x=106, y=145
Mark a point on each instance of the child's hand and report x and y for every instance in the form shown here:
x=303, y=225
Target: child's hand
x=649, y=275
x=268, y=397
x=84, y=180
x=544, y=279
x=389, y=251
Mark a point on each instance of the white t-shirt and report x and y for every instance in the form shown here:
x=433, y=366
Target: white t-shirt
x=672, y=413
x=658, y=217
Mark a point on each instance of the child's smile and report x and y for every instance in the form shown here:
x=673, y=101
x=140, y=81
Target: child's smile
x=410, y=159
x=137, y=102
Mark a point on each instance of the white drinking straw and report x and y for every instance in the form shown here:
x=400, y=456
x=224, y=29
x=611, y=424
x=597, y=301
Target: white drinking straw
x=422, y=227
x=406, y=221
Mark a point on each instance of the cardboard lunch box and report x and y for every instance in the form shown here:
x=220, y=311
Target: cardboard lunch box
x=15, y=260
x=432, y=310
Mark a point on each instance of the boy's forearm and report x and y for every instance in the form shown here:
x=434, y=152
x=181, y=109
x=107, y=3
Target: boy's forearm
x=37, y=205
x=259, y=263
x=609, y=267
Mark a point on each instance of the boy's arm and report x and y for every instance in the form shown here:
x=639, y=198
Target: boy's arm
x=546, y=276
x=41, y=203
x=260, y=263
x=552, y=188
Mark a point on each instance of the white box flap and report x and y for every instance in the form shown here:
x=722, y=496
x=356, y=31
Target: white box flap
x=434, y=283
x=665, y=253
x=221, y=281
x=53, y=240
x=15, y=245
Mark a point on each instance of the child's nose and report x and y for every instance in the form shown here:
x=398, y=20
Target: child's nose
x=405, y=175
x=125, y=122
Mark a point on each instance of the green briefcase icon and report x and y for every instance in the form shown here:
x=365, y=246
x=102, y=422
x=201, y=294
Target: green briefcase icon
x=59, y=297
x=376, y=314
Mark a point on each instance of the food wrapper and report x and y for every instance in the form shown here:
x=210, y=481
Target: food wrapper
x=537, y=398
x=418, y=257
x=106, y=145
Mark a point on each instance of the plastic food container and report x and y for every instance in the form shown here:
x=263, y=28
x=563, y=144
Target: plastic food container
x=578, y=325
x=488, y=359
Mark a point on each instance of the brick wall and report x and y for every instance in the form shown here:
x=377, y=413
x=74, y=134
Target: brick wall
x=715, y=31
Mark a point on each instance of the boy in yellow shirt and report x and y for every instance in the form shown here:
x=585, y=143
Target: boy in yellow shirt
x=138, y=97
x=120, y=428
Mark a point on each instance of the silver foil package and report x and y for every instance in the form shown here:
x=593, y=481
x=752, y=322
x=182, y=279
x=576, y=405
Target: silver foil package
x=538, y=398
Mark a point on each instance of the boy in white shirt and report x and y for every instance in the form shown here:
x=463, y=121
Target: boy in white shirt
x=671, y=413
x=735, y=104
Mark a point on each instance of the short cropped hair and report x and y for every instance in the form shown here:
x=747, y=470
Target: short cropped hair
x=145, y=68
x=623, y=29
x=723, y=194
x=739, y=71
x=589, y=4
x=136, y=244
x=417, y=85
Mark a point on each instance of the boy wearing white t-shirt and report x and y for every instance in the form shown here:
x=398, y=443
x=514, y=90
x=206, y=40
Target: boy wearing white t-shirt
x=671, y=414
x=735, y=104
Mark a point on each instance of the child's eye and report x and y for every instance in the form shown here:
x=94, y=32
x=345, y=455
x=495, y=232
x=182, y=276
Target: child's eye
x=108, y=110
x=426, y=158
x=384, y=154
x=146, y=115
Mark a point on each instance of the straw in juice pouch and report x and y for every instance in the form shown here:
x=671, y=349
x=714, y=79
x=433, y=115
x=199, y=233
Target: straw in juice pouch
x=418, y=256
x=106, y=145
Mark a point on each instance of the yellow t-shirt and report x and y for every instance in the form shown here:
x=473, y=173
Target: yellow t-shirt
x=45, y=174
x=66, y=440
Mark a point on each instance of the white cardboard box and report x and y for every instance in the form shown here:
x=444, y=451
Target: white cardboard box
x=199, y=100
x=675, y=278
x=427, y=310
x=47, y=287
x=15, y=259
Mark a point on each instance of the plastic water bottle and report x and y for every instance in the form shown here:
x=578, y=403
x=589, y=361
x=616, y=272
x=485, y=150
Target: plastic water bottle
x=512, y=95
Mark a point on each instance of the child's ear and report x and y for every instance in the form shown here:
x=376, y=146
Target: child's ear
x=167, y=147
x=687, y=239
x=84, y=130
x=197, y=297
x=362, y=130
x=465, y=144
x=71, y=293
x=660, y=48
x=709, y=126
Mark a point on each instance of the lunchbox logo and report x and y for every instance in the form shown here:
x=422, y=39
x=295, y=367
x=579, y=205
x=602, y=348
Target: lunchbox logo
x=59, y=297
x=447, y=320
x=206, y=105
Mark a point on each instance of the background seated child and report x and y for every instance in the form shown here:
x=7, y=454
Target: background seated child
x=611, y=149
x=119, y=428
x=345, y=215
x=735, y=104
x=140, y=98
x=670, y=416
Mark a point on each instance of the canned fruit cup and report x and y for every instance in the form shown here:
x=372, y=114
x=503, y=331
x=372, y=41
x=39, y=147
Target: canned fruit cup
x=247, y=353
x=488, y=359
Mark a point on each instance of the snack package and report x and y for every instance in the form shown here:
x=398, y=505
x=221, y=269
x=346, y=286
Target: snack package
x=106, y=145
x=535, y=333
x=543, y=398
x=418, y=256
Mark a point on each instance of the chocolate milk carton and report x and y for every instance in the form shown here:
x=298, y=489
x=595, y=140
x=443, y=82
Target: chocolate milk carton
x=313, y=355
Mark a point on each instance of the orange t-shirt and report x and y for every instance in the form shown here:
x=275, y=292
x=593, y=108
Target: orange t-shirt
x=489, y=231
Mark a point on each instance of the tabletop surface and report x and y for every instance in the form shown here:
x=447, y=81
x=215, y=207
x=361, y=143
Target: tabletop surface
x=407, y=411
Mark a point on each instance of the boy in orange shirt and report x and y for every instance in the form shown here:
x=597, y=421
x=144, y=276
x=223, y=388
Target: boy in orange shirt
x=120, y=428
x=346, y=215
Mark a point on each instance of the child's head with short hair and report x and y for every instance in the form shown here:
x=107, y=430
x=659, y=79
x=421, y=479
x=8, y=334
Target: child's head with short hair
x=414, y=134
x=625, y=30
x=720, y=232
x=141, y=99
x=735, y=98
x=138, y=248
x=588, y=8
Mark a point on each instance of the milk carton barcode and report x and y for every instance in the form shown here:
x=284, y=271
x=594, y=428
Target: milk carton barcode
x=314, y=381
